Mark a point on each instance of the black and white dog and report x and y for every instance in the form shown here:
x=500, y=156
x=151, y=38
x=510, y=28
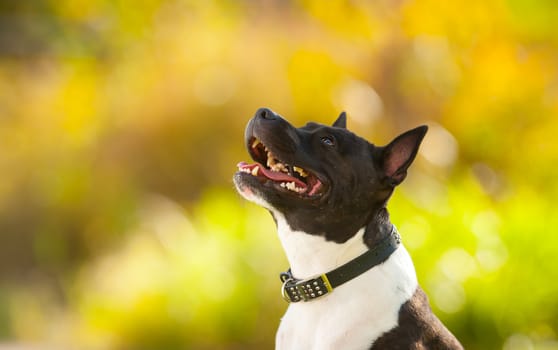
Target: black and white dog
x=352, y=284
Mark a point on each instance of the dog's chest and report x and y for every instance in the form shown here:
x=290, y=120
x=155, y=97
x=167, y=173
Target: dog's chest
x=355, y=313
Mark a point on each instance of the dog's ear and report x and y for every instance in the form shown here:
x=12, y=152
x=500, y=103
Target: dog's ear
x=341, y=121
x=400, y=153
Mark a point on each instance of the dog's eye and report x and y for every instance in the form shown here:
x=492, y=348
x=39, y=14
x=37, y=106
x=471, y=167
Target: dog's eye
x=328, y=140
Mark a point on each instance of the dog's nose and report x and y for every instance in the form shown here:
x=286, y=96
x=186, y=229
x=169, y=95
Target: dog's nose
x=266, y=113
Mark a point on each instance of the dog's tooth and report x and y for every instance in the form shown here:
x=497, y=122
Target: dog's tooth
x=280, y=166
x=270, y=162
x=255, y=143
x=275, y=165
x=255, y=170
x=301, y=171
x=291, y=186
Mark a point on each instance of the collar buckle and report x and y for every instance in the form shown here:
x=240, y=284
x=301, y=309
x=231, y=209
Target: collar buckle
x=284, y=292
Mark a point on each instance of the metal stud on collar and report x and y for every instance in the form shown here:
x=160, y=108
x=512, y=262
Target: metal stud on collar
x=284, y=293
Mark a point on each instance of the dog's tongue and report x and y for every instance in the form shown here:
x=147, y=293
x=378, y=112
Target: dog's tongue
x=270, y=174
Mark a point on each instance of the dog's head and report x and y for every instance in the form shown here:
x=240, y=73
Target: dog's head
x=324, y=180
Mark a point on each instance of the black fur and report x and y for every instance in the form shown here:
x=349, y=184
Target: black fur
x=418, y=329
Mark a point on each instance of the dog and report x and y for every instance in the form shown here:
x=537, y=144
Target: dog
x=351, y=283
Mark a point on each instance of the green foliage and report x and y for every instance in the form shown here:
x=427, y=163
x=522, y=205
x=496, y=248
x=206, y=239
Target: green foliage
x=121, y=124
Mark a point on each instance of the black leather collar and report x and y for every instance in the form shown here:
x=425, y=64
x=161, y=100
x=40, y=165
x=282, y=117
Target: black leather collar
x=294, y=290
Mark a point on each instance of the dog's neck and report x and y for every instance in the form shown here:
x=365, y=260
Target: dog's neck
x=311, y=255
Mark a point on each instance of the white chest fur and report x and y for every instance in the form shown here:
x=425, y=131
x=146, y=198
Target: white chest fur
x=356, y=313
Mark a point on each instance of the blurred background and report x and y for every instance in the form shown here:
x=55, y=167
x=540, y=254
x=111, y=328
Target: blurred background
x=121, y=123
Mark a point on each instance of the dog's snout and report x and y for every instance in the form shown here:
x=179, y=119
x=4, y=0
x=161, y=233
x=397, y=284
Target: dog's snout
x=266, y=114
x=273, y=131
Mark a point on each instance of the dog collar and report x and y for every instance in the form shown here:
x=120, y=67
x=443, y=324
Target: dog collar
x=294, y=290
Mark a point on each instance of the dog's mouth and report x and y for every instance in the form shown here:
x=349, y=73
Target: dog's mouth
x=270, y=170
